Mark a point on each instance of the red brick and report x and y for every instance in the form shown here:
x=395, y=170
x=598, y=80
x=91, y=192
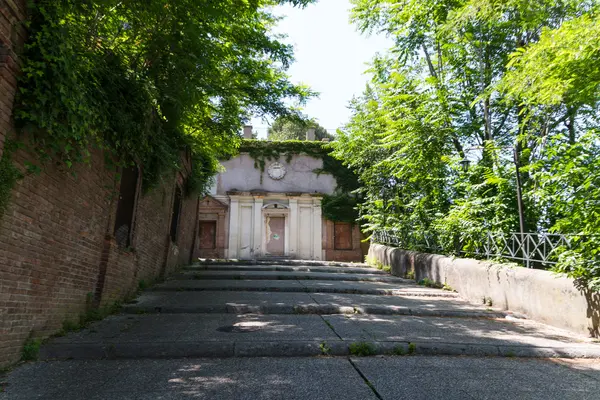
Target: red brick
x=53, y=235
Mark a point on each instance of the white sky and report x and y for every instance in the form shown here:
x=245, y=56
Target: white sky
x=331, y=58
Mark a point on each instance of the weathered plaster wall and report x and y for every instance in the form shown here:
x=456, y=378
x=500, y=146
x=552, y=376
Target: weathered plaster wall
x=541, y=295
x=241, y=175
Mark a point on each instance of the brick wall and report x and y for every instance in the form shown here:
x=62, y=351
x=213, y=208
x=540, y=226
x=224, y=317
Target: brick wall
x=57, y=250
x=332, y=254
x=12, y=37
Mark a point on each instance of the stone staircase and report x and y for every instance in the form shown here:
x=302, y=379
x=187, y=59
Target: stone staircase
x=285, y=308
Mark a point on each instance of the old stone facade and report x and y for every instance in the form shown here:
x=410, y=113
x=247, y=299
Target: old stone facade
x=71, y=242
x=276, y=212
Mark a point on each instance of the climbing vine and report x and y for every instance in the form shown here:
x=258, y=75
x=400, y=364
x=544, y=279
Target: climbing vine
x=340, y=206
x=141, y=80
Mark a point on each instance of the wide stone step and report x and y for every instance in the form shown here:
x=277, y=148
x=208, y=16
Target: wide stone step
x=303, y=303
x=278, y=261
x=227, y=335
x=308, y=286
x=290, y=275
x=285, y=268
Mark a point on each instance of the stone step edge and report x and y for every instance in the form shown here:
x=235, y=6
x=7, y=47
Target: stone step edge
x=372, y=291
x=238, y=275
x=285, y=268
x=210, y=261
x=318, y=309
x=158, y=350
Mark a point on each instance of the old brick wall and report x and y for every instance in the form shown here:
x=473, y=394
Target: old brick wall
x=12, y=37
x=332, y=254
x=58, y=256
x=51, y=240
x=55, y=235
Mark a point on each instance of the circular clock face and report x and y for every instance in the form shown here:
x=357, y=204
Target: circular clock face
x=276, y=171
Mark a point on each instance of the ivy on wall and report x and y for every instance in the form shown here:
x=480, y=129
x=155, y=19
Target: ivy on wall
x=341, y=206
x=148, y=80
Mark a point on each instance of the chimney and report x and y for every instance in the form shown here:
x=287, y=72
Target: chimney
x=247, y=131
x=310, y=134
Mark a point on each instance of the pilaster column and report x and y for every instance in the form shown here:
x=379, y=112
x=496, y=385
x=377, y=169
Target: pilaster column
x=234, y=221
x=258, y=228
x=317, y=230
x=293, y=224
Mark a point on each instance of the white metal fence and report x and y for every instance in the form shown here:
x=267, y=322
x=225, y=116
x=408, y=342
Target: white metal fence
x=530, y=249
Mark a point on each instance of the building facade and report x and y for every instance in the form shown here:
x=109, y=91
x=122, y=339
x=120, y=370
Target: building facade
x=274, y=211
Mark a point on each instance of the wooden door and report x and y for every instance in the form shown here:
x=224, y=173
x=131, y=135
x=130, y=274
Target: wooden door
x=208, y=234
x=276, y=236
x=342, y=236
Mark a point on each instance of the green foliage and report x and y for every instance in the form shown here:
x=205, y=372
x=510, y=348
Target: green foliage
x=374, y=262
x=31, y=349
x=147, y=80
x=9, y=175
x=294, y=128
x=362, y=349
x=341, y=206
x=325, y=348
x=429, y=283
x=412, y=348
x=510, y=87
x=262, y=151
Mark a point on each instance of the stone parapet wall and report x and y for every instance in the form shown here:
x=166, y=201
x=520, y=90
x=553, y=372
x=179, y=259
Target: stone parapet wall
x=540, y=295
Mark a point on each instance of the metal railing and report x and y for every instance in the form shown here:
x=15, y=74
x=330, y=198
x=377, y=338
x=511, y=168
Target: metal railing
x=424, y=241
x=533, y=250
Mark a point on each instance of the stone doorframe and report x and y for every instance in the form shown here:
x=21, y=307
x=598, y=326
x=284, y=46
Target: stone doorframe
x=282, y=210
x=256, y=201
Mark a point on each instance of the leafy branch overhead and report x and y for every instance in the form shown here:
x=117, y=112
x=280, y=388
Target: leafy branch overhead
x=473, y=95
x=147, y=79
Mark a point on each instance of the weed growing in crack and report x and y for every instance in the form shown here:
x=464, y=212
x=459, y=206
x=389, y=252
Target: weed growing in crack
x=412, y=348
x=31, y=349
x=362, y=349
x=325, y=349
x=399, y=350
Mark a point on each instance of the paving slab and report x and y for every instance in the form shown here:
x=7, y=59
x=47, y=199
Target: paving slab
x=376, y=288
x=416, y=305
x=200, y=327
x=476, y=378
x=280, y=261
x=291, y=275
x=215, y=379
x=436, y=335
x=219, y=302
x=286, y=268
x=303, y=303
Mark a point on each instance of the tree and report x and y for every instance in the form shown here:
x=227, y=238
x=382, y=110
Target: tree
x=147, y=79
x=471, y=81
x=295, y=128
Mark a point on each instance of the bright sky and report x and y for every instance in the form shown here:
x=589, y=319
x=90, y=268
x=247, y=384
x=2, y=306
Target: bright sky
x=331, y=58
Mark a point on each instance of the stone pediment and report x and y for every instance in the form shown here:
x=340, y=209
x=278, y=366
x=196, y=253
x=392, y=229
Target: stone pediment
x=211, y=202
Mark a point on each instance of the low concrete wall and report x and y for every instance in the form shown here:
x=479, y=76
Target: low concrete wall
x=541, y=295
